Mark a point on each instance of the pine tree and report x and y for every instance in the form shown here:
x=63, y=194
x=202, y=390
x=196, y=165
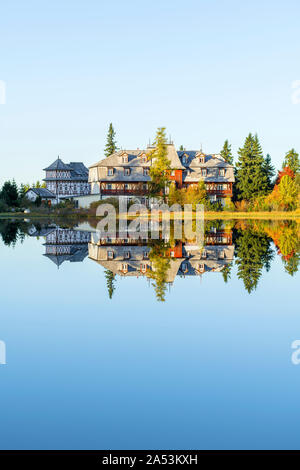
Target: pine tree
x=269, y=171
x=9, y=193
x=111, y=144
x=160, y=168
x=110, y=282
x=226, y=153
x=251, y=178
x=226, y=272
x=181, y=148
x=292, y=161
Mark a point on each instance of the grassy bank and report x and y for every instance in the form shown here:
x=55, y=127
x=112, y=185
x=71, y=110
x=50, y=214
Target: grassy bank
x=209, y=215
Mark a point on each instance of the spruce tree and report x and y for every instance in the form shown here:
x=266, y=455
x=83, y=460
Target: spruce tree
x=111, y=144
x=269, y=171
x=160, y=168
x=251, y=177
x=292, y=161
x=10, y=193
x=226, y=152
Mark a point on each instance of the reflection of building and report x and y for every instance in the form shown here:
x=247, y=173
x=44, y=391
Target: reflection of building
x=66, y=245
x=127, y=173
x=129, y=257
x=63, y=244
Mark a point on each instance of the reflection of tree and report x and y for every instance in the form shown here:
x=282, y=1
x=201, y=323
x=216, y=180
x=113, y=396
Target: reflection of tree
x=291, y=264
x=226, y=272
x=110, y=282
x=10, y=232
x=253, y=253
x=160, y=266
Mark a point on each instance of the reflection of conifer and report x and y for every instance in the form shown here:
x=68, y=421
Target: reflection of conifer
x=110, y=282
x=253, y=252
x=226, y=272
x=160, y=267
x=291, y=265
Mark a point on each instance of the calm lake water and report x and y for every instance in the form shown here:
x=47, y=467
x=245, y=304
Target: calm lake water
x=161, y=348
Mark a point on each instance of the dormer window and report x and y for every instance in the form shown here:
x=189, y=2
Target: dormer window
x=143, y=158
x=110, y=255
x=204, y=254
x=202, y=158
x=222, y=172
x=125, y=158
x=146, y=171
x=143, y=267
x=110, y=171
x=124, y=267
x=184, y=159
x=126, y=171
x=204, y=172
x=201, y=267
x=127, y=255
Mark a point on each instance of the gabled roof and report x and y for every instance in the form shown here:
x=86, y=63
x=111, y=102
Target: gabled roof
x=42, y=192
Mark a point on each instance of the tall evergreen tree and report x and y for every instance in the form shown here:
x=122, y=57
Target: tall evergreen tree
x=111, y=144
x=251, y=177
x=226, y=152
x=292, y=161
x=9, y=193
x=160, y=168
x=110, y=282
x=181, y=148
x=269, y=171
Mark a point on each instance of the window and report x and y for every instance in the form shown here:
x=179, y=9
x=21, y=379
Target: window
x=201, y=267
x=108, y=186
x=127, y=255
x=124, y=267
x=125, y=158
x=204, y=254
x=222, y=172
x=204, y=172
x=202, y=159
x=143, y=267
x=173, y=173
x=184, y=267
x=172, y=254
x=221, y=254
x=110, y=255
x=184, y=159
x=145, y=254
x=110, y=171
x=126, y=171
x=146, y=171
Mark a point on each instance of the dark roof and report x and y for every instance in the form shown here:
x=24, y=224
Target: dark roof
x=42, y=192
x=57, y=165
x=78, y=170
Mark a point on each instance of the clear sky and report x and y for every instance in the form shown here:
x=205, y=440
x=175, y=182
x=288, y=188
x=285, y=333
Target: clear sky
x=206, y=70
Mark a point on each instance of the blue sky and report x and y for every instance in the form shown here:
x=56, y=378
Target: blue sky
x=206, y=70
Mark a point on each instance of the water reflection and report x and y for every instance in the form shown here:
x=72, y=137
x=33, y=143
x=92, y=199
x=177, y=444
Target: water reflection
x=250, y=245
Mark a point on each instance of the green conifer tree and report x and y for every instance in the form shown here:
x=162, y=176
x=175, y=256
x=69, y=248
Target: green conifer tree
x=269, y=171
x=251, y=177
x=111, y=144
x=226, y=152
x=160, y=168
x=292, y=161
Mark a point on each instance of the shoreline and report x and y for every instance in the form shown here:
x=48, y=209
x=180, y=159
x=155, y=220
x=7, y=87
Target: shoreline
x=293, y=215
